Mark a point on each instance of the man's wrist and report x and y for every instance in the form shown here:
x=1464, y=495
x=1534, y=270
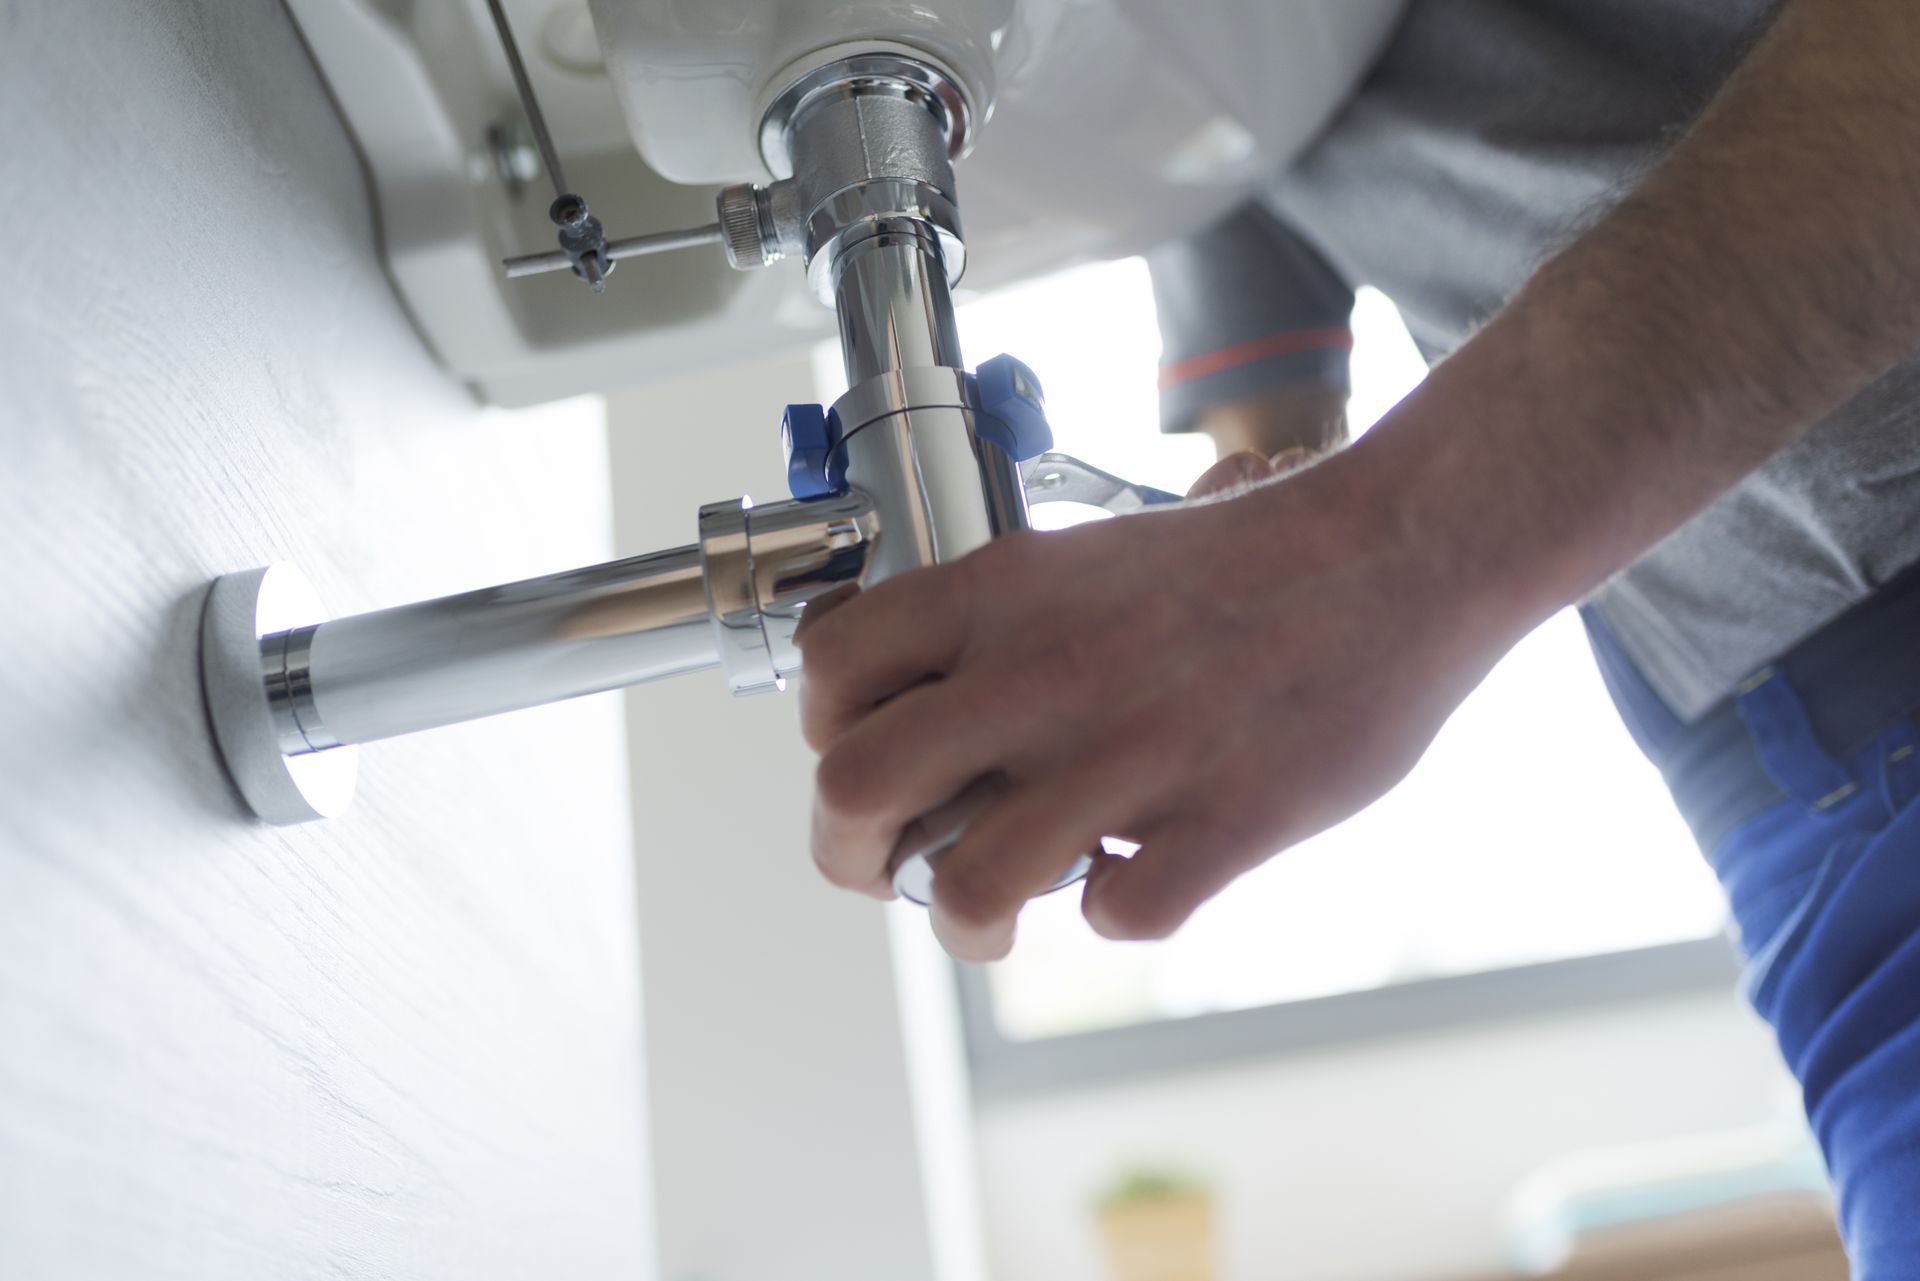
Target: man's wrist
x=1442, y=516
x=1345, y=521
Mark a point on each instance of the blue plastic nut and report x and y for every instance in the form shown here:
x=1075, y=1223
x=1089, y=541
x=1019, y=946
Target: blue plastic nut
x=1013, y=409
x=816, y=465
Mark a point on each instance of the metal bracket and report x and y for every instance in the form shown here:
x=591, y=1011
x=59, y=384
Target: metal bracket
x=1061, y=478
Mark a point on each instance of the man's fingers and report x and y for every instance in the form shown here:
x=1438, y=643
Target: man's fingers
x=1291, y=459
x=877, y=643
x=843, y=850
x=976, y=944
x=907, y=757
x=1022, y=846
x=1181, y=864
x=1232, y=472
x=820, y=606
x=1244, y=468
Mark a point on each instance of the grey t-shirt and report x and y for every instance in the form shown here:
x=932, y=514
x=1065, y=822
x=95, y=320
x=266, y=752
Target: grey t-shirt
x=1489, y=133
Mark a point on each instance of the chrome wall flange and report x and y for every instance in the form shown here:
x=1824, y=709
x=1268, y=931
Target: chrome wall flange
x=237, y=675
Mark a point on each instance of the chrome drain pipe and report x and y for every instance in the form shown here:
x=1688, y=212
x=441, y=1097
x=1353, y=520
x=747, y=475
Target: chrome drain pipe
x=918, y=448
x=416, y=667
x=291, y=693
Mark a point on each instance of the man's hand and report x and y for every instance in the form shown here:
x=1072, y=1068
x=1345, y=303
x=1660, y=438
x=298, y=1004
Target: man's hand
x=1174, y=679
x=1243, y=469
x=1306, y=417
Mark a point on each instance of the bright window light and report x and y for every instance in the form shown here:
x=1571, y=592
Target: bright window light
x=1532, y=831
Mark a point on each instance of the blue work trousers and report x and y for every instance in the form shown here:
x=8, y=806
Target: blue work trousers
x=1823, y=882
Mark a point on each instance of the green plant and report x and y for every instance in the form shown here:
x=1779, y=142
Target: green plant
x=1149, y=1184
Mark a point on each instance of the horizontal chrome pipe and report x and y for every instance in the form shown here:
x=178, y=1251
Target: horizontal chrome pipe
x=438, y=662
x=731, y=600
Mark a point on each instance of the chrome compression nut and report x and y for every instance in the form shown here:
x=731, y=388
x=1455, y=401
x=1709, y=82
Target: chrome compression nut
x=763, y=564
x=746, y=227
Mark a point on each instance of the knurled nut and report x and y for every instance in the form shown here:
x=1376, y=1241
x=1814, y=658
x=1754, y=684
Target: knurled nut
x=739, y=207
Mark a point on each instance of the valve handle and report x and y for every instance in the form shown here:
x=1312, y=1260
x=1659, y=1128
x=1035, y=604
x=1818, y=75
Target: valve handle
x=816, y=465
x=1011, y=408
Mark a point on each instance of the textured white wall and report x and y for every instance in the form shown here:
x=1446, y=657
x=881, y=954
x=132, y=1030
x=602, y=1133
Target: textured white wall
x=403, y=1044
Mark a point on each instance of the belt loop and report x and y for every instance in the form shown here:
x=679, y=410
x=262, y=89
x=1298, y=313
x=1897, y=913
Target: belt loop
x=1784, y=740
x=1899, y=765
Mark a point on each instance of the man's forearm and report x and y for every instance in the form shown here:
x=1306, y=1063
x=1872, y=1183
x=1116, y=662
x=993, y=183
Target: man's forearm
x=1760, y=277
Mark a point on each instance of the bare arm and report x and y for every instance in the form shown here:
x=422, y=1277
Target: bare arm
x=1763, y=275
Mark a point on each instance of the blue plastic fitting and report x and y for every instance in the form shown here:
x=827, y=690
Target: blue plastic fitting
x=1012, y=408
x=816, y=465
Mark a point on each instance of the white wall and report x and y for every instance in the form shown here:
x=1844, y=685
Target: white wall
x=401, y=1044
x=1379, y=1161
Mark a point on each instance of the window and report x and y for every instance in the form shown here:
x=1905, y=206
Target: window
x=1531, y=833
